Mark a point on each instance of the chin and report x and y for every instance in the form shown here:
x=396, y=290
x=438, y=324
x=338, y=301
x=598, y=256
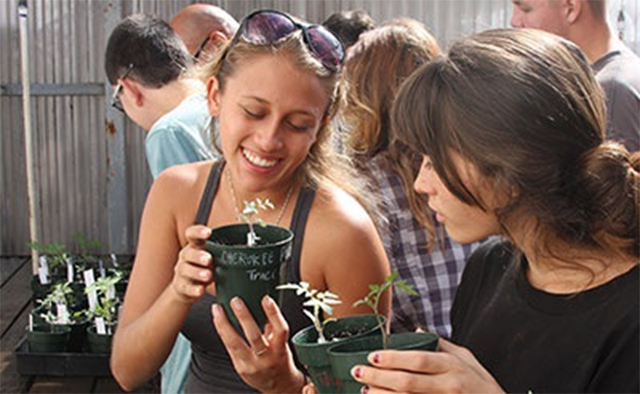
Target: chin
x=463, y=237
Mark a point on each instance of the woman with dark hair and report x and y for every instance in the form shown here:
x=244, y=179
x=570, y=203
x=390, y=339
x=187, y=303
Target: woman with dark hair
x=511, y=127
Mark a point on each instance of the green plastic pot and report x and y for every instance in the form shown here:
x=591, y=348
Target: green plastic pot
x=344, y=357
x=314, y=355
x=248, y=272
x=46, y=338
x=98, y=343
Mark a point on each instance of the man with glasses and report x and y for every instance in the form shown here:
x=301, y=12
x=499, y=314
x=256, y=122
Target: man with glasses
x=148, y=65
x=203, y=28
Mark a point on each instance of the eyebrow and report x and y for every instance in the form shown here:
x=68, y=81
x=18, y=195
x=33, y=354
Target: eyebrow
x=265, y=102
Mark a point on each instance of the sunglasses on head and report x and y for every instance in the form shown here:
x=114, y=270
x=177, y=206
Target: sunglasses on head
x=115, y=99
x=265, y=27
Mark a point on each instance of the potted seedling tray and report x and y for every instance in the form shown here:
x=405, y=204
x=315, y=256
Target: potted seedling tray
x=60, y=363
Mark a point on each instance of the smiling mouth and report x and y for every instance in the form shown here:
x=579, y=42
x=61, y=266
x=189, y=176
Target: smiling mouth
x=257, y=160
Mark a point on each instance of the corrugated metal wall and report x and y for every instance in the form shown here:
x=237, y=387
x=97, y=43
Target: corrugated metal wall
x=92, y=178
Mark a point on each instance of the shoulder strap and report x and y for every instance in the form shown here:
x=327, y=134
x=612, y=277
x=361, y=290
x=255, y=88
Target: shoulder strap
x=210, y=189
x=298, y=224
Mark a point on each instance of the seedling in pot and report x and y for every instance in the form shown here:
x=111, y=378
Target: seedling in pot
x=320, y=301
x=55, y=307
x=105, y=310
x=251, y=208
x=52, y=260
x=375, y=292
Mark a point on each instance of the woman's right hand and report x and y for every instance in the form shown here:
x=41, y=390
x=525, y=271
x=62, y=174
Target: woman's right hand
x=193, y=271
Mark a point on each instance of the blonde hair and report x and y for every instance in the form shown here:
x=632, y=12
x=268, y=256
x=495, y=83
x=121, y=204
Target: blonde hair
x=376, y=66
x=324, y=166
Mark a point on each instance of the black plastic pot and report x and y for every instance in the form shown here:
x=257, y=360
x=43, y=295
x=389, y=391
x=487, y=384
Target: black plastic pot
x=344, y=357
x=248, y=272
x=46, y=338
x=98, y=343
x=314, y=355
x=77, y=336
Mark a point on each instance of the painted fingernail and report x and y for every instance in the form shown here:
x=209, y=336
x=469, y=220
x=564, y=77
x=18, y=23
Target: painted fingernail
x=204, y=274
x=364, y=390
x=236, y=302
x=357, y=372
x=376, y=358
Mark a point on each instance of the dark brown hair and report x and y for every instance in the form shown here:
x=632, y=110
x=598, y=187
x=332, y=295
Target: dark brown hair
x=523, y=107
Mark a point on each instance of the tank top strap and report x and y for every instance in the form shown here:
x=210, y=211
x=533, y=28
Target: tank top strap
x=210, y=189
x=297, y=226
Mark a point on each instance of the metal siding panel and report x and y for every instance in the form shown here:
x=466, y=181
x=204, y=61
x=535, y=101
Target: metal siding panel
x=67, y=46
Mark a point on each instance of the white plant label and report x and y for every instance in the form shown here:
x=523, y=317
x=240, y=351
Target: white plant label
x=43, y=270
x=101, y=328
x=42, y=276
x=111, y=293
x=114, y=261
x=69, y=269
x=92, y=296
x=103, y=273
x=30, y=322
x=63, y=313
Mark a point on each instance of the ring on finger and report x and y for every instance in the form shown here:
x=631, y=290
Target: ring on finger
x=260, y=352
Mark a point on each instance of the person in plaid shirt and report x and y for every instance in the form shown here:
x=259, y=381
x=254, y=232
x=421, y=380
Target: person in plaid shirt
x=415, y=244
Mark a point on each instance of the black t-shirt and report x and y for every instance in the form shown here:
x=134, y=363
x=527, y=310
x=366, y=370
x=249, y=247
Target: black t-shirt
x=535, y=341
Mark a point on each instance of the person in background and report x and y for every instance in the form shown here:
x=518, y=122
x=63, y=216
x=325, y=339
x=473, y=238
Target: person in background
x=511, y=126
x=274, y=93
x=163, y=98
x=348, y=25
x=203, y=28
x=617, y=68
x=149, y=67
x=415, y=244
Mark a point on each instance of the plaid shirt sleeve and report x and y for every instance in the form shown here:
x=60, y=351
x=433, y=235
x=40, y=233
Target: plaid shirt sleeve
x=435, y=275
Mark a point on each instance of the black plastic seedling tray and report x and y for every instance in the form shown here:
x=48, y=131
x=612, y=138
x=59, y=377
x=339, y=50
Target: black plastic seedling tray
x=60, y=364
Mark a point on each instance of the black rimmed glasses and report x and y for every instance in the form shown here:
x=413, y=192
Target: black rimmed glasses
x=115, y=99
x=201, y=48
x=265, y=27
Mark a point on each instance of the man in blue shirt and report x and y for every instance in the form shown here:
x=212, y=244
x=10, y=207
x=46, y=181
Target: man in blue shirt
x=148, y=65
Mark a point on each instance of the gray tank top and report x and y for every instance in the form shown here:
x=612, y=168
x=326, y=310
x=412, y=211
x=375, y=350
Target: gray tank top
x=211, y=369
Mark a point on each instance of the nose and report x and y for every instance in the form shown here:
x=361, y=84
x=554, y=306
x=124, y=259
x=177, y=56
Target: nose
x=269, y=137
x=424, y=183
x=516, y=17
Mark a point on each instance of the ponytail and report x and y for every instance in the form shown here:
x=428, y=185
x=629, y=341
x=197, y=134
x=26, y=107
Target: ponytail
x=610, y=179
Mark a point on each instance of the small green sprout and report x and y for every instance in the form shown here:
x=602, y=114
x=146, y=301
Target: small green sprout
x=107, y=306
x=375, y=292
x=252, y=208
x=320, y=301
x=61, y=295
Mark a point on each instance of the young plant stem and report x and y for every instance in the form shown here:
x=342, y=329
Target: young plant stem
x=373, y=299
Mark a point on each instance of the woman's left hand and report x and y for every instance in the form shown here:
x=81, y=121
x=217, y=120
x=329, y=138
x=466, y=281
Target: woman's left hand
x=452, y=369
x=263, y=360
